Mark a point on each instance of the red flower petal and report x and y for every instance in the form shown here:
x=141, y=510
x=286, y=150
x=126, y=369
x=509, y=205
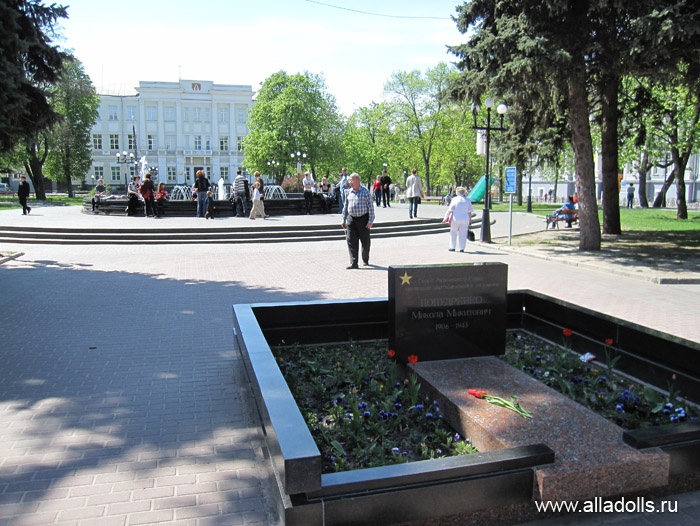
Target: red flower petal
x=609, y=341
x=567, y=332
x=391, y=353
x=478, y=393
x=412, y=358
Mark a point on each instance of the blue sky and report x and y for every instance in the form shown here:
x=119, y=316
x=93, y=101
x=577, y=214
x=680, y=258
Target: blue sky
x=244, y=42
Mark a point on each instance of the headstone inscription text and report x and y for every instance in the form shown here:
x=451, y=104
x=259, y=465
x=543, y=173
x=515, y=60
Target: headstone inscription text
x=438, y=312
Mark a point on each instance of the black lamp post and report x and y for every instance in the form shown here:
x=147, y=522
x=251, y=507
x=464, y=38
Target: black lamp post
x=127, y=159
x=501, y=110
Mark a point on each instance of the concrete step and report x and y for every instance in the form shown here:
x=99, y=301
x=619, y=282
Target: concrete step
x=258, y=234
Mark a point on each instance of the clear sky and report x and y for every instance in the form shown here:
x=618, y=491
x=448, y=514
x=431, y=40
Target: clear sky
x=356, y=45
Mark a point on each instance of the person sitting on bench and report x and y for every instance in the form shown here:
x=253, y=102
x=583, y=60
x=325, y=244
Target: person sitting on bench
x=565, y=213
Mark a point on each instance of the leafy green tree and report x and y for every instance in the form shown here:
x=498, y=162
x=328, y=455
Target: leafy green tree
x=29, y=65
x=293, y=113
x=420, y=104
x=368, y=140
x=75, y=99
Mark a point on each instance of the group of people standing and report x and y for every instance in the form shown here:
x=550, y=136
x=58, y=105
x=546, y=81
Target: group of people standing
x=138, y=192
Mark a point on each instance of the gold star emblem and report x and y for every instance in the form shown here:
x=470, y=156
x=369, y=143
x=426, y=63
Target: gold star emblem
x=405, y=279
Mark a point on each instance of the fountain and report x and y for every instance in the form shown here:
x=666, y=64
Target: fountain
x=274, y=191
x=181, y=193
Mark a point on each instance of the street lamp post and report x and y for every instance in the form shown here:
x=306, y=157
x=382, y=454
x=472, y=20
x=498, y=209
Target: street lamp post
x=127, y=159
x=300, y=156
x=501, y=110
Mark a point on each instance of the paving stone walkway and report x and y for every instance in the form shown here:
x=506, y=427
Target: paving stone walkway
x=123, y=400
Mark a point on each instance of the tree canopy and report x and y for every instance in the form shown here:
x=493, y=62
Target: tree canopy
x=293, y=113
x=29, y=65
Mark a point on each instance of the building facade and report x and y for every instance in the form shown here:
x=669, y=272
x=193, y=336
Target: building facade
x=176, y=128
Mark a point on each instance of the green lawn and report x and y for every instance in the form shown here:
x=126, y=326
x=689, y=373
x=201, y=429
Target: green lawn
x=56, y=200
x=636, y=219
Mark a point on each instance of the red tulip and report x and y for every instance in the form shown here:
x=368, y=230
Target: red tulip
x=391, y=353
x=478, y=393
x=609, y=342
x=412, y=358
x=567, y=332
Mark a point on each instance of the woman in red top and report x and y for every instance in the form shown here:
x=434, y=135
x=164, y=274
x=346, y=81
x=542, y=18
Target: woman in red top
x=377, y=189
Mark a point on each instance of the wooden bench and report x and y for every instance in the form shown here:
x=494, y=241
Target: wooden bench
x=554, y=221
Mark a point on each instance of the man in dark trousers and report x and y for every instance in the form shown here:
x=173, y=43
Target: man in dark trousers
x=385, y=180
x=358, y=217
x=240, y=186
x=23, y=193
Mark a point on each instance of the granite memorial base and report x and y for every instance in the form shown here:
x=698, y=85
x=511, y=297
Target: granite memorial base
x=515, y=465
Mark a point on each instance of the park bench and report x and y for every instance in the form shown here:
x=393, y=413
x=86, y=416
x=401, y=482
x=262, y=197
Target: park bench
x=554, y=221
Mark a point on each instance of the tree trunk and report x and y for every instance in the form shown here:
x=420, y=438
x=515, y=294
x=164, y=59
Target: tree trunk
x=35, y=170
x=661, y=197
x=608, y=128
x=583, y=159
x=679, y=164
x=643, y=173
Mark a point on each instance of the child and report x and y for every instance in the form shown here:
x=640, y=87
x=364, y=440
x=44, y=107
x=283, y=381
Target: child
x=258, y=206
x=161, y=199
x=210, y=206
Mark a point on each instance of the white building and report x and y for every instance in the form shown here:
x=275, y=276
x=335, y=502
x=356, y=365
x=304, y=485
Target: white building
x=179, y=127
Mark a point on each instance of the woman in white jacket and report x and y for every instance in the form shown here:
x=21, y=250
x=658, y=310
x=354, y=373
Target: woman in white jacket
x=461, y=209
x=414, y=193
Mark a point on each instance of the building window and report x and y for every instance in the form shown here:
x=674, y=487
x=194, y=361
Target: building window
x=171, y=174
x=185, y=114
x=113, y=113
x=223, y=144
x=99, y=172
x=223, y=171
x=223, y=115
x=96, y=141
x=113, y=141
x=207, y=143
x=170, y=142
x=169, y=114
x=239, y=143
x=151, y=113
x=207, y=114
x=152, y=142
x=116, y=173
x=241, y=115
x=196, y=114
x=197, y=142
x=131, y=113
x=132, y=143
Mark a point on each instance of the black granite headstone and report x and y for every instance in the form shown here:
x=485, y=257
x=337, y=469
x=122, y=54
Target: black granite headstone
x=438, y=312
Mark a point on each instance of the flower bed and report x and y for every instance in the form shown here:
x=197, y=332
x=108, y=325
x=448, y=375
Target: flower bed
x=362, y=409
x=594, y=383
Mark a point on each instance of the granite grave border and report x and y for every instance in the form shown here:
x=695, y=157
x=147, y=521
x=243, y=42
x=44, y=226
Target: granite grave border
x=496, y=478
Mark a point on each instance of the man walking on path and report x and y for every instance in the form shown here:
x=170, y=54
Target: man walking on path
x=358, y=217
x=23, y=193
x=386, y=189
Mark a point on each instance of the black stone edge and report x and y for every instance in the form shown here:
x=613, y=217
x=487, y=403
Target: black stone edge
x=431, y=471
x=521, y=297
x=291, y=446
x=660, y=436
x=681, y=442
x=411, y=503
